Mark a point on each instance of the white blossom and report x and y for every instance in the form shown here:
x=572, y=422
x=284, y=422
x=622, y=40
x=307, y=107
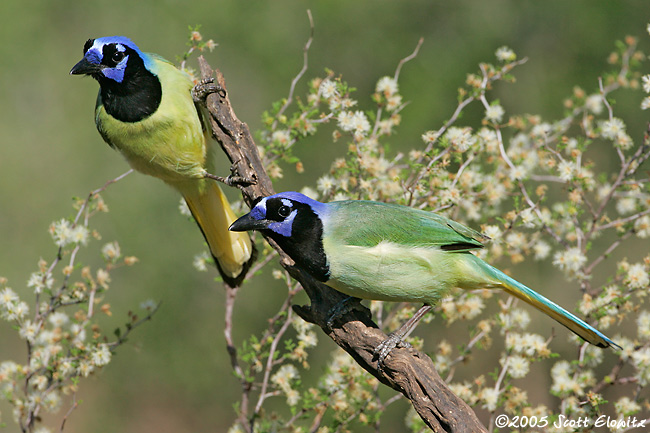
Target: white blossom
x=28, y=331
x=517, y=365
x=281, y=137
x=643, y=322
x=325, y=184
x=61, y=232
x=284, y=376
x=490, y=398
x=541, y=249
x=201, y=261
x=494, y=113
x=646, y=83
x=387, y=86
x=505, y=54
x=461, y=138
x=111, y=251
x=571, y=260
x=492, y=231
x=612, y=128
x=58, y=319
x=430, y=136
x=356, y=122
x=328, y=88
x=594, y=103
x=645, y=103
x=518, y=172
x=642, y=227
x=626, y=205
x=101, y=355
x=566, y=170
x=637, y=276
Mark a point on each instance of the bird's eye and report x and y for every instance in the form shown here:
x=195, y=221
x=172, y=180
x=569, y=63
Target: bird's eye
x=117, y=56
x=284, y=211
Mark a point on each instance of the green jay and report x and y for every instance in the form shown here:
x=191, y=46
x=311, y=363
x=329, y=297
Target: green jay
x=389, y=252
x=145, y=110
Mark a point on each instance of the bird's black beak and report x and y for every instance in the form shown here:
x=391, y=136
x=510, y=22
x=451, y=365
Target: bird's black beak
x=247, y=222
x=84, y=67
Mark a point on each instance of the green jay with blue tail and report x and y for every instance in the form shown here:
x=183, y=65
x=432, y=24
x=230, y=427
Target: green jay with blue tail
x=145, y=110
x=390, y=252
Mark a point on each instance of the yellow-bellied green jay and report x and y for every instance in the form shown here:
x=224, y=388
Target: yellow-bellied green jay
x=146, y=111
x=389, y=252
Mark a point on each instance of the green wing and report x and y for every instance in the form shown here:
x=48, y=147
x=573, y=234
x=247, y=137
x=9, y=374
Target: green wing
x=367, y=223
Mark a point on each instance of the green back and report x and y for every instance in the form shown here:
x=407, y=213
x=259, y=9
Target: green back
x=367, y=223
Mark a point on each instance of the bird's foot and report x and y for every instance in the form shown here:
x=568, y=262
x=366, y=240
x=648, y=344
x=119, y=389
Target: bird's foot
x=206, y=87
x=232, y=180
x=237, y=180
x=396, y=339
x=343, y=307
x=384, y=348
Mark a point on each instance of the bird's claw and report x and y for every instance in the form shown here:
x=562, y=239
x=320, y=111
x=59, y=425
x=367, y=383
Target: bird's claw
x=238, y=181
x=232, y=180
x=384, y=348
x=206, y=87
x=343, y=307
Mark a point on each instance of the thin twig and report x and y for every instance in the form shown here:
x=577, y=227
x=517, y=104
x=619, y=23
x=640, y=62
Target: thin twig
x=83, y=206
x=606, y=253
x=622, y=221
x=269, y=363
x=131, y=326
x=67, y=414
x=296, y=79
x=622, y=175
x=393, y=399
x=466, y=351
x=396, y=78
x=318, y=419
x=414, y=180
x=231, y=296
x=462, y=168
x=260, y=264
x=408, y=58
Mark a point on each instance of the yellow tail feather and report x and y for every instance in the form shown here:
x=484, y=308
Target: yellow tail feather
x=232, y=251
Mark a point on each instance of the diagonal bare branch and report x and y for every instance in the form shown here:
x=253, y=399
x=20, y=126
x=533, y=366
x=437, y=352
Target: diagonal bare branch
x=406, y=370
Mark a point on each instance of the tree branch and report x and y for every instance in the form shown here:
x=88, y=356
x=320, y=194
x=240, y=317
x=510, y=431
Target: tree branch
x=406, y=370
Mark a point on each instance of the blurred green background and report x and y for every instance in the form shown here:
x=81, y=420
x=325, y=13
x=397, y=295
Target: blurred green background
x=174, y=374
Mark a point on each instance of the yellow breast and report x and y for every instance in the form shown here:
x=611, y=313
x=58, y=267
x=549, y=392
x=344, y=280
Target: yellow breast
x=169, y=144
